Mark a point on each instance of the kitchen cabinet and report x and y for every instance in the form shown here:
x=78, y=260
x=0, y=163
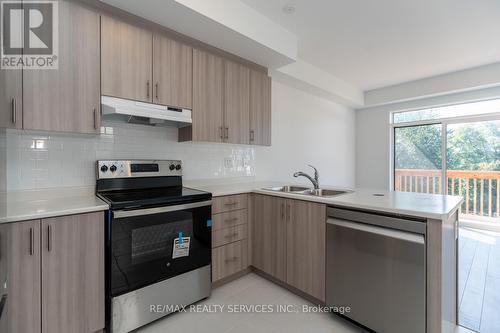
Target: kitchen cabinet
x=236, y=103
x=11, y=98
x=260, y=108
x=20, y=285
x=229, y=236
x=305, y=247
x=73, y=273
x=229, y=259
x=269, y=235
x=172, y=73
x=67, y=99
x=52, y=272
x=289, y=242
x=126, y=58
x=208, y=85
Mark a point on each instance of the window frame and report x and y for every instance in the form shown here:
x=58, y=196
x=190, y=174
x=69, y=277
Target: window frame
x=444, y=122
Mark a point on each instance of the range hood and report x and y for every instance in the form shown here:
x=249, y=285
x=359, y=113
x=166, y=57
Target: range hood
x=119, y=109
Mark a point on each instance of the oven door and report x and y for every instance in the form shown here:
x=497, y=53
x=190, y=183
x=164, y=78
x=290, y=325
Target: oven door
x=155, y=244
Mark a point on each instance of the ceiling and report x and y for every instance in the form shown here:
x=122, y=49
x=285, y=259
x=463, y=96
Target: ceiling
x=377, y=43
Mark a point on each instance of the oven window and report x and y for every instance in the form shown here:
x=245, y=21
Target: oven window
x=153, y=242
x=142, y=247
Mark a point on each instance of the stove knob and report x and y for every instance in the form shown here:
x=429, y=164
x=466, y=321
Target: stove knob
x=104, y=168
x=112, y=168
x=178, y=167
x=171, y=167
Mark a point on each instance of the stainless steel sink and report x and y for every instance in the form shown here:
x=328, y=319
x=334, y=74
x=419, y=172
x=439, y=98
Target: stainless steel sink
x=325, y=192
x=288, y=188
x=307, y=191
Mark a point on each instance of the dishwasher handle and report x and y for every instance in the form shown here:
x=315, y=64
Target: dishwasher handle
x=386, y=232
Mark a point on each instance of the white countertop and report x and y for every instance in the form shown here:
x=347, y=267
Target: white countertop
x=431, y=206
x=38, y=204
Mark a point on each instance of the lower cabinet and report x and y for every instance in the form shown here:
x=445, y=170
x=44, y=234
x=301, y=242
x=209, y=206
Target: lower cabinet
x=52, y=273
x=289, y=242
x=269, y=235
x=229, y=236
x=306, y=247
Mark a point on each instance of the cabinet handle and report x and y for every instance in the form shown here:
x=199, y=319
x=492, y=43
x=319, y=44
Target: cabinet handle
x=252, y=135
x=234, y=219
x=49, y=238
x=287, y=212
x=231, y=203
x=226, y=136
x=231, y=235
x=231, y=259
x=147, y=89
x=14, y=110
x=95, y=118
x=32, y=242
x=156, y=88
x=221, y=134
x=282, y=210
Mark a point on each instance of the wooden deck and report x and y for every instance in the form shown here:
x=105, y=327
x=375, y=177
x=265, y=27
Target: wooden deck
x=479, y=280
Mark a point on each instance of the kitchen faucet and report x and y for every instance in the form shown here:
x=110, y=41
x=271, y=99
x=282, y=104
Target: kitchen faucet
x=314, y=180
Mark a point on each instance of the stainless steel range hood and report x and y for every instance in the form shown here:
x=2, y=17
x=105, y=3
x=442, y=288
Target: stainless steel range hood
x=119, y=109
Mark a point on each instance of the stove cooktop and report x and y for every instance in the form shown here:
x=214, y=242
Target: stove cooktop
x=167, y=196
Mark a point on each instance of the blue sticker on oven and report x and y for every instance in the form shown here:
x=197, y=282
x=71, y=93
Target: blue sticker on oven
x=181, y=247
x=209, y=223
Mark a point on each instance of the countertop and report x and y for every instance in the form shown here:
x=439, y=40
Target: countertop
x=39, y=204
x=432, y=206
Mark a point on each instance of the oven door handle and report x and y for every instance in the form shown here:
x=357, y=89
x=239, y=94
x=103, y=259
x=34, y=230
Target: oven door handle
x=158, y=210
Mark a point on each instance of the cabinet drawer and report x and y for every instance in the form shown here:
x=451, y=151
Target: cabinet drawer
x=229, y=259
x=229, y=219
x=229, y=235
x=229, y=203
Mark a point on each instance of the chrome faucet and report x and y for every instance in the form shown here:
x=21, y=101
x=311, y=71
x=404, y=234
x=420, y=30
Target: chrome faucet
x=314, y=180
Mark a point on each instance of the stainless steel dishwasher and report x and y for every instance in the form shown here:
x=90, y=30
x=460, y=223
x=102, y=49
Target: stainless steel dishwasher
x=376, y=266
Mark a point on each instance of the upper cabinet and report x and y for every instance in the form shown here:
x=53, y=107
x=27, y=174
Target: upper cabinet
x=208, y=98
x=126, y=58
x=11, y=93
x=172, y=73
x=236, y=103
x=67, y=99
x=231, y=102
x=260, y=108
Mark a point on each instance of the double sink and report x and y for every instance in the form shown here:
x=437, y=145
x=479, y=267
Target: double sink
x=293, y=189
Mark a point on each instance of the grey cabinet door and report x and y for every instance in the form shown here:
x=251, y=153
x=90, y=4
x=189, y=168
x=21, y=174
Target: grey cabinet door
x=126, y=58
x=172, y=73
x=11, y=98
x=73, y=273
x=67, y=99
x=237, y=103
x=208, y=85
x=306, y=247
x=20, y=277
x=269, y=235
x=260, y=108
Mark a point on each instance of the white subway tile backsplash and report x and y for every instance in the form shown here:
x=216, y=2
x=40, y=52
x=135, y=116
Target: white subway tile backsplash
x=37, y=160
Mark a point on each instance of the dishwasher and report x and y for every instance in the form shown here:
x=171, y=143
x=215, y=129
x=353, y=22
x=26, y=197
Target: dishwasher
x=376, y=266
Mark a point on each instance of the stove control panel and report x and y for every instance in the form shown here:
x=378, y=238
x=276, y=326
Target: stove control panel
x=138, y=168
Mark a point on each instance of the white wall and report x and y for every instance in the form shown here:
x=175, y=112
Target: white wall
x=308, y=130
x=372, y=149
